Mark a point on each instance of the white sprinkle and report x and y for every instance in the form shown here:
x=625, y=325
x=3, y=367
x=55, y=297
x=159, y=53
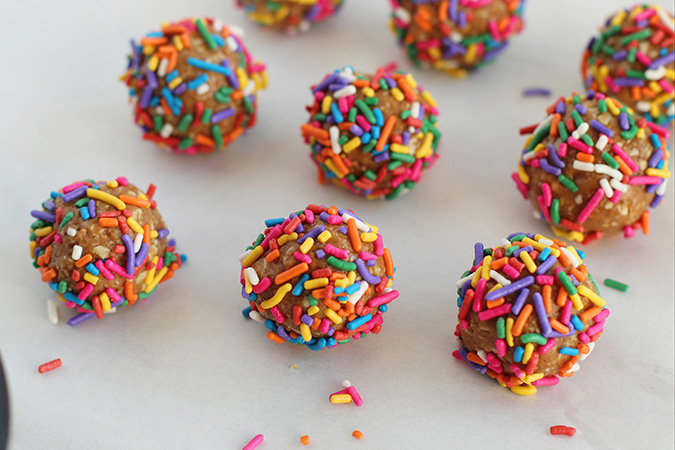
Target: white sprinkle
x=138, y=241
x=661, y=190
x=461, y=281
x=347, y=72
x=415, y=110
x=252, y=275
x=481, y=354
x=604, y=184
x=529, y=155
x=255, y=315
x=345, y=384
x=574, y=368
x=655, y=74
x=166, y=130
x=71, y=231
x=250, y=88
x=547, y=121
x=573, y=259
x=346, y=91
x=456, y=37
x=163, y=65
x=356, y=296
x=237, y=31
x=111, y=310
x=602, y=142
x=203, y=89
x=77, y=252
x=498, y=278
x=231, y=43
x=505, y=243
x=359, y=225
x=217, y=25
x=604, y=168
x=52, y=311
x=334, y=133
x=243, y=256
x=159, y=111
x=591, y=346
x=402, y=14
x=671, y=110
x=583, y=166
x=583, y=129
x=304, y=26
x=619, y=186
x=643, y=106
x=536, y=214
x=545, y=241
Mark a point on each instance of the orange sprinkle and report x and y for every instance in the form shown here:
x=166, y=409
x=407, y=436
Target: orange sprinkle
x=291, y=273
x=186, y=40
x=585, y=157
x=558, y=326
x=563, y=260
x=360, y=83
x=494, y=303
x=332, y=304
x=49, y=275
x=623, y=166
x=345, y=126
x=385, y=133
x=554, y=125
x=304, y=440
x=146, y=234
x=140, y=202
x=332, y=210
x=348, y=308
x=407, y=90
x=578, y=274
x=314, y=131
x=635, y=93
x=517, y=329
x=357, y=434
x=499, y=263
x=174, y=29
x=546, y=295
x=154, y=41
x=129, y=292
x=109, y=222
x=272, y=336
x=337, y=276
x=645, y=222
x=205, y=140
x=561, y=299
x=86, y=259
x=589, y=314
x=443, y=11
x=473, y=357
x=319, y=293
x=237, y=95
x=354, y=235
x=274, y=254
x=316, y=324
x=339, y=163
x=388, y=263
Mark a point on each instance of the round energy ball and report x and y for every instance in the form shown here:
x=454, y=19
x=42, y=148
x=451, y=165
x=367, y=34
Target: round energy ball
x=194, y=86
x=633, y=59
x=102, y=245
x=593, y=169
x=290, y=16
x=529, y=311
x=372, y=134
x=320, y=277
x=458, y=36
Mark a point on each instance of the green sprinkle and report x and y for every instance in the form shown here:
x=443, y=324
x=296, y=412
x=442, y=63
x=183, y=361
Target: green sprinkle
x=341, y=265
x=66, y=219
x=37, y=224
x=616, y=285
x=369, y=146
x=578, y=120
x=351, y=117
x=611, y=162
x=533, y=337
x=576, y=99
x=159, y=123
x=538, y=137
x=206, y=117
x=343, y=140
x=602, y=106
x=248, y=105
x=632, y=53
x=630, y=134
x=567, y=283
x=365, y=110
x=501, y=328
x=319, y=118
x=206, y=35
x=509, y=251
x=562, y=130
x=144, y=295
x=402, y=157
x=394, y=164
x=396, y=192
x=185, y=123
x=372, y=101
x=636, y=74
x=81, y=202
x=185, y=143
x=555, y=211
x=487, y=252
x=518, y=237
x=370, y=175
x=312, y=301
x=608, y=50
x=63, y=287
x=587, y=139
x=637, y=36
x=405, y=114
x=217, y=136
x=569, y=184
x=222, y=98
x=383, y=85
x=611, y=31
x=475, y=39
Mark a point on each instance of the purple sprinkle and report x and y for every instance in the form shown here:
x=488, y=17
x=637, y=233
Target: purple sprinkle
x=320, y=254
x=581, y=108
x=146, y=96
x=131, y=256
x=312, y=234
x=546, y=265
x=172, y=242
x=91, y=207
x=620, y=55
x=520, y=301
x=494, y=52
x=623, y=121
x=656, y=202
x=76, y=193
x=222, y=115
x=142, y=253
x=281, y=331
x=356, y=130
x=307, y=320
x=365, y=274
x=152, y=78
x=629, y=82
x=465, y=287
x=324, y=216
x=574, y=280
x=161, y=234
x=541, y=313
x=180, y=89
x=601, y=128
x=343, y=229
x=371, y=263
x=527, y=249
x=536, y=92
x=49, y=205
x=655, y=158
x=80, y=318
x=43, y=215
x=330, y=79
x=405, y=137
x=560, y=107
x=381, y=157
x=553, y=154
x=549, y=168
x=510, y=289
x=662, y=61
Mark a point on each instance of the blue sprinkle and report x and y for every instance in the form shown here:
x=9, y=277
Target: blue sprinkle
x=245, y=311
x=354, y=324
x=272, y=222
x=92, y=269
x=544, y=254
x=383, y=308
x=299, y=287
x=576, y=322
x=518, y=354
x=569, y=351
x=84, y=212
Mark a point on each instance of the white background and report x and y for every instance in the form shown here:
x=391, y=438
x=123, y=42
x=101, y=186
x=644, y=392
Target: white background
x=184, y=369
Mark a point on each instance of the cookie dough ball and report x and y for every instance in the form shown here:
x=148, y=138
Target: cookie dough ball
x=593, y=169
x=372, y=134
x=102, y=245
x=321, y=277
x=529, y=311
x=633, y=59
x=194, y=86
x=456, y=37
x=290, y=16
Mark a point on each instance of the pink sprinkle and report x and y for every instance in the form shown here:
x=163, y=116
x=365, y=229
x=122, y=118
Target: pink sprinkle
x=545, y=280
x=72, y=187
x=582, y=147
x=495, y=312
x=547, y=346
x=464, y=324
x=273, y=234
x=278, y=315
x=628, y=232
x=583, y=337
x=351, y=390
x=546, y=192
x=366, y=256
x=517, y=371
x=112, y=293
x=644, y=59
x=379, y=246
x=501, y=347
x=644, y=179
x=343, y=106
x=544, y=208
x=480, y=292
x=69, y=304
x=659, y=130
x=668, y=87
x=309, y=216
x=562, y=150
x=595, y=329
x=511, y=271
x=122, y=181
x=325, y=326
x=108, y=275
x=254, y=443
x=602, y=315
x=432, y=43
x=610, y=83
x=627, y=159
x=302, y=257
x=522, y=187
x=616, y=196
x=566, y=312
x=339, y=253
x=494, y=31
x=546, y=381
x=86, y=291
x=363, y=123
x=58, y=239
x=644, y=15
x=262, y=285
x=334, y=220
x=382, y=299
x=590, y=206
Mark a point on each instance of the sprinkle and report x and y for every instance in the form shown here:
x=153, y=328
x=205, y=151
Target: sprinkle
x=357, y=434
x=304, y=440
x=562, y=429
x=616, y=285
x=254, y=443
x=536, y=92
x=51, y=365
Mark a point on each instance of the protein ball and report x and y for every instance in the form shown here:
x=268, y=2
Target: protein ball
x=102, y=245
x=194, y=85
x=289, y=16
x=592, y=169
x=529, y=311
x=458, y=36
x=633, y=59
x=320, y=277
x=372, y=134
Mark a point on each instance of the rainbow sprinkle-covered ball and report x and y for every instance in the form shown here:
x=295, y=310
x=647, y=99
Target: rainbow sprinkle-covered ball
x=320, y=277
x=194, y=84
x=633, y=59
x=529, y=311
x=102, y=245
x=591, y=168
x=290, y=16
x=372, y=134
x=455, y=36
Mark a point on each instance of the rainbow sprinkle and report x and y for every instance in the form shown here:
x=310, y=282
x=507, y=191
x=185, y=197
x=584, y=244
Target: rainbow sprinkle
x=534, y=302
x=633, y=59
x=130, y=260
x=455, y=36
x=320, y=277
x=290, y=16
x=194, y=84
x=593, y=138
x=373, y=135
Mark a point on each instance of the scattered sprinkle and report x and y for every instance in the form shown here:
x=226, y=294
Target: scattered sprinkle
x=357, y=434
x=562, y=429
x=616, y=285
x=304, y=440
x=51, y=365
x=52, y=311
x=536, y=92
x=254, y=443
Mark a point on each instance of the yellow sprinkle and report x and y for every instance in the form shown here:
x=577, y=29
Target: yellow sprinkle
x=592, y=296
x=425, y=149
x=618, y=18
x=471, y=53
x=287, y=238
x=435, y=53
x=576, y=302
x=332, y=315
x=509, y=334
x=657, y=173
x=340, y=398
x=331, y=165
x=612, y=106
x=306, y=332
x=307, y=245
x=411, y=81
x=533, y=377
x=399, y=148
x=353, y=144
x=316, y=283
x=374, y=228
x=429, y=99
x=248, y=287
x=134, y=225
x=397, y=94
x=351, y=277
x=390, y=282
x=105, y=301
x=154, y=234
x=112, y=184
x=567, y=234
x=486, y=267
x=60, y=297
x=368, y=237
x=573, y=251
x=527, y=260
x=32, y=246
x=524, y=390
x=527, y=354
x=253, y=256
x=323, y=237
x=243, y=78
x=90, y=278
x=476, y=277
x=44, y=231
x=538, y=246
x=634, y=12
x=325, y=104
x=277, y=297
x=670, y=74
x=105, y=197
x=151, y=273
x=524, y=177
x=656, y=87
x=265, y=79
x=156, y=280
x=177, y=42
x=175, y=82
x=495, y=287
x=368, y=92
x=153, y=63
x=313, y=310
x=654, y=110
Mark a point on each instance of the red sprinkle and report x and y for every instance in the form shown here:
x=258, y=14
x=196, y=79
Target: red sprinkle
x=51, y=365
x=562, y=429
